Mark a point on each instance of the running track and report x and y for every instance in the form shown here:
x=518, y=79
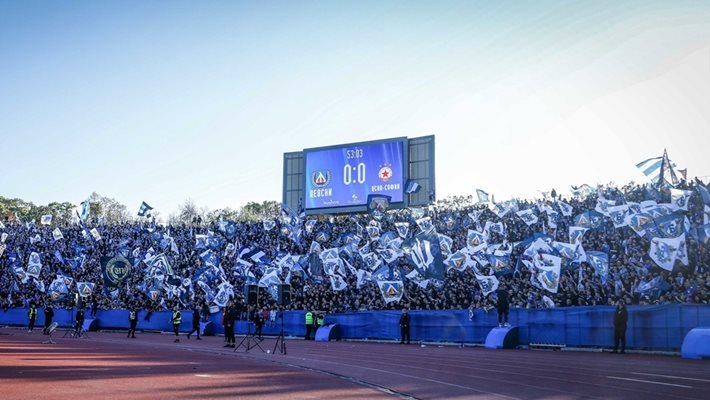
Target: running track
x=109, y=366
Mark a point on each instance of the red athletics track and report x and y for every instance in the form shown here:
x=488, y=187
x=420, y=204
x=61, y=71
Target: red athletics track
x=107, y=365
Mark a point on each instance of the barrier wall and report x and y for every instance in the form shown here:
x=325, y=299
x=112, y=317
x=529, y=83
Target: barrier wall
x=660, y=327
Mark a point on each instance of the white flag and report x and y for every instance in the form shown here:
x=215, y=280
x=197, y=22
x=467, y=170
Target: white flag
x=57, y=234
x=95, y=234
x=46, y=219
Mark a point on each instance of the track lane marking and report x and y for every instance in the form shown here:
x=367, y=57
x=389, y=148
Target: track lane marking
x=653, y=382
x=672, y=377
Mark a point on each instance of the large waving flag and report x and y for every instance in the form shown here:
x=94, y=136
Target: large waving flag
x=565, y=208
x=589, y=219
x=482, y=196
x=58, y=290
x=269, y=224
x=680, y=198
x=548, y=271
x=600, y=262
x=528, y=216
x=337, y=283
x=144, y=210
x=475, y=241
x=46, y=219
x=664, y=252
x=661, y=171
x=85, y=289
x=424, y=252
x=85, y=209
x=34, y=265
x=618, y=215
x=116, y=270
x=391, y=290
x=488, y=283
x=402, y=229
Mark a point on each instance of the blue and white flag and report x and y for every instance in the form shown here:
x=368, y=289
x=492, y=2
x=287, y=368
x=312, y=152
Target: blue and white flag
x=57, y=234
x=500, y=264
x=682, y=250
x=373, y=232
x=337, y=283
x=619, y=215
x=200, y=242
x=661, y=171
x=603, y=205
x=309, y=225
x=488, y=283
x=3, y=246
x=445, y=244
x=363, y=276
x=589, y=219
x=493, y=227
x=482, y=196
x=36, y=238
x=425, y=224
x=565, y=208
x=475, y=241
x=391, y=290
x=34, y=265
x=424, y=252
x=680, y=198
x=322, y=236
x=528, y=216
x=548, y=271
x=664, y=252
x=600, y=262
x=269, y=224
x=85, y=209
x=653, y=288
x=58, y=290
x=46, y=219
x=412, y=187
x=222, y=297
x=85, y=289
x=458, y=261
x=144, y=210
x=402, y=229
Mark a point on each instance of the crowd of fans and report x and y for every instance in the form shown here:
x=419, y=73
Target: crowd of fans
x=629, y=265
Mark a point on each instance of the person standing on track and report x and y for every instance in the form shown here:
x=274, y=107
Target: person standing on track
x=503, y=306
x=230, y=317
x=309, y=325
x=48, y=316
x=621, y=317
x=133, y=321
x=176, y=320
x=32, y=316
x=195, y=322
x=404, y=326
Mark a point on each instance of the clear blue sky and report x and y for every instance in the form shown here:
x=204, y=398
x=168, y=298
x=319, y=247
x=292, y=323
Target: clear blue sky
x=167, y=100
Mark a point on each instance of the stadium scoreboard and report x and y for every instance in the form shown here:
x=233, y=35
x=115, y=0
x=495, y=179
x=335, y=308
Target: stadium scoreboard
x=341, y=178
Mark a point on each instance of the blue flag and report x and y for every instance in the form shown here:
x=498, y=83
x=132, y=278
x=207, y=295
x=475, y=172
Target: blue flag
x=144, y=210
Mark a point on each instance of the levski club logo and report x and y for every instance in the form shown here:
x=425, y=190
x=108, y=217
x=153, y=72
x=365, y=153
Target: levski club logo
x=320, y=178
x=385, y=173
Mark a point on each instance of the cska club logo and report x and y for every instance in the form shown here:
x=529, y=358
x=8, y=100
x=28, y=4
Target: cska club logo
x=385, y=173
x=320, y=178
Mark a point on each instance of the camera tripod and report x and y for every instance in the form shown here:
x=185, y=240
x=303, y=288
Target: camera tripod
x=76, y=332
x=249, y=338
x=280, y=340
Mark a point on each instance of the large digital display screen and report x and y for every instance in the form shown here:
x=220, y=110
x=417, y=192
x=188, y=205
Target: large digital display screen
x=343, y=176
